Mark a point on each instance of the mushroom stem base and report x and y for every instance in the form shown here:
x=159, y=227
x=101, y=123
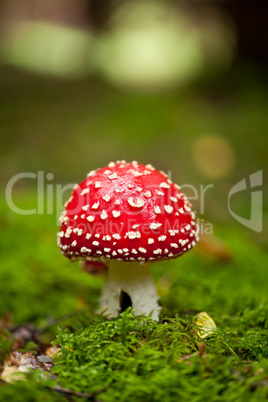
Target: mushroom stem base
x=135, y=280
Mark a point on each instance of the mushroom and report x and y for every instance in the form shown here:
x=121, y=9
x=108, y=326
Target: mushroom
x=127, y=215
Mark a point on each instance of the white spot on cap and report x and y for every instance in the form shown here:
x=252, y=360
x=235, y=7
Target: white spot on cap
x=181, y=210
x=85, y=207
x=75, y=217
x=162, y=238
x=90, y=218
x=174, y=199
x=114, y=253
x=157, y=210
x=61, y=234
x=142, y=250
x=164, y=185
x=150, y=241
x=78, y=231
x=107, y=237
x=97, y=184
x=107, y=250
x=133, y=235
x=120, y=251
x=160, y=192
x=83, y=216
x=155, y=225
x=92, y=173
x=174, y=245
x=173, y=232
x=136, y=226
x=130, y=185
x=95, y=243
x=98, y=252
x=168, y=209
x=136, y=204
x=68, y=233
x=74, y=243
x=116, y=236
x=149, y=166
x=158, y=251
x=163, y=173
x=135, y=172
x=97, y=235
x=166, y=251
x=95, y=205
x=85, y=250
x=116, y=213
x=125, y=250
x=170, y=255
x=119, y=190
x=88, y=236
x=139, y=189
x=134, y=251
x=106, y=197
x=85, y=191
x=111, y=165
x=104, y=214
x=113, y=176
x=183, y=242
x=117, y=202
x=148, y=194
x=107, y=172
x=62, y=216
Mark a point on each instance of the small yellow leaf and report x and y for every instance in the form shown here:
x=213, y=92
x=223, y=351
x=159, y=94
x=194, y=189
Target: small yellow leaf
x=206, y=325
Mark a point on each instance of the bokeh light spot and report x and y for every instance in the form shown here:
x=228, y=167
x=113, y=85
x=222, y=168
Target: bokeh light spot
x=48, y=49
x=214, y=156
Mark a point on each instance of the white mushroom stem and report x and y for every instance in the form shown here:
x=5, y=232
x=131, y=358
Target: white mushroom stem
x=135, y=280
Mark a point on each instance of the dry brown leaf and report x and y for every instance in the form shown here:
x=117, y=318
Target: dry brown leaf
x=51, y=351
x=16, y=364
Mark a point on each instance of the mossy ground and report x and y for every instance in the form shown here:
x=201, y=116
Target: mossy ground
x=134, y=358
x=71, y=128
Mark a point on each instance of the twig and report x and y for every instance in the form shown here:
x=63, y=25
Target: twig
x=69, y=392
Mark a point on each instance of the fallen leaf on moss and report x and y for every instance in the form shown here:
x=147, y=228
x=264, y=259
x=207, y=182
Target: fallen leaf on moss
x=51, y=351
x=205, y=325
x=16, y=364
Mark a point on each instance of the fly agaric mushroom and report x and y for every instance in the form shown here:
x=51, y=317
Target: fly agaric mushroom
x=129, y=215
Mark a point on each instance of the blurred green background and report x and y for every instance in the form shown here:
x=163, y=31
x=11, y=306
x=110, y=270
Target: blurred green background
x=180, y=85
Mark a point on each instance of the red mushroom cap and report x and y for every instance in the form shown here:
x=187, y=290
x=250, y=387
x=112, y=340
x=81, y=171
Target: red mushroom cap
x=127, y=211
